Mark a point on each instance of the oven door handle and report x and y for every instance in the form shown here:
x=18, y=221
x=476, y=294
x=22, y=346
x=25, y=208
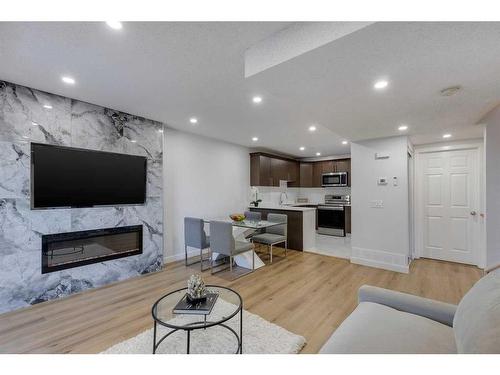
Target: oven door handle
x=331, y=208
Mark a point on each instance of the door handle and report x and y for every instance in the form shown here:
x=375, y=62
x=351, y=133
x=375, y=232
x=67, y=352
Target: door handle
x=473, y=213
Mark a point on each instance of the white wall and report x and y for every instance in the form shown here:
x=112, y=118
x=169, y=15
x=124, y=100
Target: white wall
x=380, y=236
x=492, y=168
x=202, y=178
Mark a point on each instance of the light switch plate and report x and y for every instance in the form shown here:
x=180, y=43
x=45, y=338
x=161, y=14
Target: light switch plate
x=377, y=204
x=382, y=181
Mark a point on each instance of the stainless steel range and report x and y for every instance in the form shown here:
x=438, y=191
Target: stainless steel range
x=331, y=215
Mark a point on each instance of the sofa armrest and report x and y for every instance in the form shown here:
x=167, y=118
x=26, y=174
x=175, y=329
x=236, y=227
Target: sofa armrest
x=428, y=308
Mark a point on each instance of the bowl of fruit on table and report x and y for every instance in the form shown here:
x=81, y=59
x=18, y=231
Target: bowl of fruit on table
x=237, y=217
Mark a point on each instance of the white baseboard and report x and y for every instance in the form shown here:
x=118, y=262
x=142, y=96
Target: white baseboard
x=180, y=256
x=380, y=259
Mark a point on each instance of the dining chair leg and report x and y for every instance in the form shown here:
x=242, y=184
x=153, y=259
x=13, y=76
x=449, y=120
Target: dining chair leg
x=201, y=260
x=271, y=254
x=211, y=260
x=253, y=260
x=185, y=255
x=286, y=246
x=230, y=263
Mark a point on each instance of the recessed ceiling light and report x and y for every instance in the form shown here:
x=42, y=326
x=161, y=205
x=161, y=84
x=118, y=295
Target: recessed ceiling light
x=318, y=154
x=312, y=128
x=68, y=80
x=255, y=139
x=116, y=25
x=160, y=130
x=133, y=141
x=34, y=123
x=193, y=120
x=257, y=99
x=379, y=85
x=26, y=137
x=344, y=142
x=402, y=128
x=302, y=148
x=447, y=135
x=47, y=106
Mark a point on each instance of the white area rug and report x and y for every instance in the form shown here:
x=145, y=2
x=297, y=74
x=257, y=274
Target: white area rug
x=259, y=337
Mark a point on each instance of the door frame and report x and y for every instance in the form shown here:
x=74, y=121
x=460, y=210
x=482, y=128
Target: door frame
x=472, y=144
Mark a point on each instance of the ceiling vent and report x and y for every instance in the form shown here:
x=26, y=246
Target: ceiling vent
x=449, y=91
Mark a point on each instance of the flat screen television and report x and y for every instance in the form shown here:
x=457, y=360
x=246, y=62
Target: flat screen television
x=73, y=177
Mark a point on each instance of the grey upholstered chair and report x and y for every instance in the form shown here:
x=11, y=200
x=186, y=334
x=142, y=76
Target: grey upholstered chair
x=223, y=242
x=253, y=215
x=275, y=234
x=195, y=237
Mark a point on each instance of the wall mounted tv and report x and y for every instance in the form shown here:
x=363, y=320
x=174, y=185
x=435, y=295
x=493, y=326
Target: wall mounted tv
x=73, y=177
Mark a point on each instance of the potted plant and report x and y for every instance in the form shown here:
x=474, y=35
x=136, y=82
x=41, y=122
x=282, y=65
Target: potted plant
x=256, y=200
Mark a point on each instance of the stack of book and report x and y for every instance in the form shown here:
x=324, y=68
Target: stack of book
x=204, y=307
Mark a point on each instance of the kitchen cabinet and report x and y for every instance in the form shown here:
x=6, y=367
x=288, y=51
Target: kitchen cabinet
x=301, y=231
x=293, y=168
x=268, y=170
x=260, y=170
x=306, y=175
x=347, y=219
x=278, y=171
x=317, y=173
x=328, y=166
x=342, y=165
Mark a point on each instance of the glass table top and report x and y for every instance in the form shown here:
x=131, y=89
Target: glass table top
x=228, y=304
x=251, y=224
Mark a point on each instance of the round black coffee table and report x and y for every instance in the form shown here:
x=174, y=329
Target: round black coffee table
x=163, y=314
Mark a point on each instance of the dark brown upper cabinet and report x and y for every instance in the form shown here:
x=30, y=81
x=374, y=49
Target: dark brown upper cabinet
x=317, y=173
x=306, y=175
x=260, y=170
x=268, y=170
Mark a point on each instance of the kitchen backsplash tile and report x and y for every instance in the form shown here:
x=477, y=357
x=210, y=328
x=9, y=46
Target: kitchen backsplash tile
x=271, y=195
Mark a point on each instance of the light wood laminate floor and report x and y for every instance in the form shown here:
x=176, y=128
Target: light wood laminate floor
x=306, y=293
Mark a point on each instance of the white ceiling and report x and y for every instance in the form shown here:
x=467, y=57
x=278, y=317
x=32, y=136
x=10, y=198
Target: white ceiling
x=172, y=71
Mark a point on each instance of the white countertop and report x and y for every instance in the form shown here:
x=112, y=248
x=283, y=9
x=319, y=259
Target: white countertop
x=284, y=207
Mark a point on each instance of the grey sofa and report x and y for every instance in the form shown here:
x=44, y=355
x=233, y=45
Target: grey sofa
x=386, y=321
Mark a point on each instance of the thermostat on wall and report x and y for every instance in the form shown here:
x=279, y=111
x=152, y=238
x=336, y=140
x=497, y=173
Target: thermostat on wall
x=382, y=181
x=381, y=155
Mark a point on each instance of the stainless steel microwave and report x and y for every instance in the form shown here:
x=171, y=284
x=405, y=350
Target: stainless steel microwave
x=334, y=179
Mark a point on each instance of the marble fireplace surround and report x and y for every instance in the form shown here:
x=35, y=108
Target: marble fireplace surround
x=29, y=115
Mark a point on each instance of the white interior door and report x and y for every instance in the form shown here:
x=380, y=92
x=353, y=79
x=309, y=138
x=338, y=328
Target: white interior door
x=450, y=204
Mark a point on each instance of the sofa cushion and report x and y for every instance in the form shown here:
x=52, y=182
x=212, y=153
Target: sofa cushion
x=477, y=321
x=375, y=328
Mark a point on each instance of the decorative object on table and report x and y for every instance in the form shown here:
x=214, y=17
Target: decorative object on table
x=255, y=197
x=196, y=290
x=237, y=217
x=201, y=307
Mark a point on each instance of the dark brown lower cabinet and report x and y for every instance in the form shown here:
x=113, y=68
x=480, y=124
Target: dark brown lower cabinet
x=347, y=219
x=294, y=227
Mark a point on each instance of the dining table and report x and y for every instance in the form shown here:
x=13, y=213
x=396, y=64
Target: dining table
x=241, y=231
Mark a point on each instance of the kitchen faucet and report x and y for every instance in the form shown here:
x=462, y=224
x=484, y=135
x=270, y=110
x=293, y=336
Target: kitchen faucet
x=281, y=197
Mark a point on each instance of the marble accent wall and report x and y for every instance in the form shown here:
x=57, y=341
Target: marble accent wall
x=30, y=115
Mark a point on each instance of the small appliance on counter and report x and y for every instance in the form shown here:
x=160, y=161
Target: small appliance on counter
x=331, y=215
